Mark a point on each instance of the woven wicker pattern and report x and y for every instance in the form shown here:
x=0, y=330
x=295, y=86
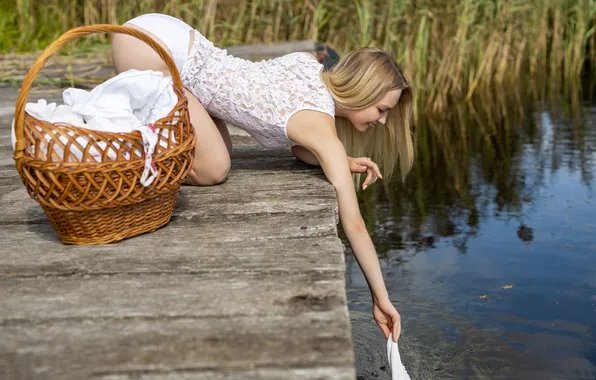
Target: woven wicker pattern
x=95, y=196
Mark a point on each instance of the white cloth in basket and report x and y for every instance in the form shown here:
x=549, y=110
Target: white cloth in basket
x=130, y=101
x=398, y=371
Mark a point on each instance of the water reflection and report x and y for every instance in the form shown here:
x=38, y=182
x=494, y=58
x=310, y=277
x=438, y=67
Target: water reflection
x=489, y=249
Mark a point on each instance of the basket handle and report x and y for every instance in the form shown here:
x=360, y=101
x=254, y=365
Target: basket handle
x=54, y=47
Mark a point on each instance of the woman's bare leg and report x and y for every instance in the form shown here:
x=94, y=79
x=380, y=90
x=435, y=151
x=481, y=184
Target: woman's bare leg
x=212, y=159
x=213, y=148
x=225, y=133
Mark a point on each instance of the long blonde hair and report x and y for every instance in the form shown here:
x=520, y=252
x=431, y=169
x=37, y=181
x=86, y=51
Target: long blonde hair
x=359, y=80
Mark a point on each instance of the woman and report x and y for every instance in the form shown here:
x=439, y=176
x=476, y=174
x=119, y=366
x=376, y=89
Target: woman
x=362, y=106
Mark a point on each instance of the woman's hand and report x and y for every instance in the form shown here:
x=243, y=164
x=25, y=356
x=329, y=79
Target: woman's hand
x=387, y=318
x=364, y=164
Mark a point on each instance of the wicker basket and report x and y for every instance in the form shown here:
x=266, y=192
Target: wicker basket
x=95, y=200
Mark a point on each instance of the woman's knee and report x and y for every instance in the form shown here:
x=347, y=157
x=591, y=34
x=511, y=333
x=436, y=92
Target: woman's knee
x=217, y=172
x=212, y=174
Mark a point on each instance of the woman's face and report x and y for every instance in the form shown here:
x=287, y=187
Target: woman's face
x=366, y=118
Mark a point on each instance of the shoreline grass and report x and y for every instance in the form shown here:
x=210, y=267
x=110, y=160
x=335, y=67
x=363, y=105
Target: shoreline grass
x=448, y=49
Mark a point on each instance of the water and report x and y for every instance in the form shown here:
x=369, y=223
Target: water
x=490, y=258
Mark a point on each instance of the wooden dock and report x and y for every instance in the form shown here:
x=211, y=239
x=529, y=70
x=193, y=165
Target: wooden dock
x=245, y=282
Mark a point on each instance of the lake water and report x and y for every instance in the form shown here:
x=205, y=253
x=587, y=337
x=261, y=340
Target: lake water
x=490, y=259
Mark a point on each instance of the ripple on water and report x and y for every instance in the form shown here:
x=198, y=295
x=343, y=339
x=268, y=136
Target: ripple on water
x=436, y=344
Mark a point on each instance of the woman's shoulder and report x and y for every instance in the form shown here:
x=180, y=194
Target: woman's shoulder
x=309, y=122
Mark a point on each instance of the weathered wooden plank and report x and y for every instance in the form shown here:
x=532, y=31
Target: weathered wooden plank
x=244, y=157
x=78, y=349
x=6, y=160
x=251, y=152
x=266, y=160
x=6, y=173
x=188, y=253
x=241, y=140
x=17, y=207
x=172, y=295
x=201, y=199
x=300, y=175
x=225, y=228
x=265, y=51
x=264, y=165
x=302, y=199
x=5, y=143
x=319, y=373
x=274, y=164
x=239, y=180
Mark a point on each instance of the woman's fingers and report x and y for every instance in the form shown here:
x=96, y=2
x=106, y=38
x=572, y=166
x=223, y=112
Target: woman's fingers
x=378, y=172
x=358, y=167
x=396, y=328
x=375, y=167
x=366, y=164
x=370, y=164
x=385, y=329
x=370, y=178
x=365, y=183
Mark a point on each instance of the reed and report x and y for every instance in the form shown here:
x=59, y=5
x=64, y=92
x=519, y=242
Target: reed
x=450, y=49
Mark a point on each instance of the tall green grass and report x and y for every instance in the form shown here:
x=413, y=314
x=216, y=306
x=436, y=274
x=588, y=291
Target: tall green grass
x=449, y=49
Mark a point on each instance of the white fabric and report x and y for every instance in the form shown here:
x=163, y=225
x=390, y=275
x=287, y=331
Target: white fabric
x=398, y=371
x=130, y=101
x=259, y=97
x=125, y=102
x=173, y=32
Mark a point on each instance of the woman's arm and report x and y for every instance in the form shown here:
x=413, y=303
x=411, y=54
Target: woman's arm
x=305, y=155
x=315, y=132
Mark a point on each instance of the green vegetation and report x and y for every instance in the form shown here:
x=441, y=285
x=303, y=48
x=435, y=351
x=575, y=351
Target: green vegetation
x=450, y=49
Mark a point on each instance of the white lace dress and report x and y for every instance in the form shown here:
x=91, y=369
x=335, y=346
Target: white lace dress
x=259, y=97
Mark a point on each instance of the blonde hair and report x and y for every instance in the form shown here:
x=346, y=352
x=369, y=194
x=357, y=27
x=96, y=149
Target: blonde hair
x=359, y=80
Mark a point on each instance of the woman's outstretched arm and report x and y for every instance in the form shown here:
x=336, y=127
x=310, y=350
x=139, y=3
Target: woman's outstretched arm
x=316, y=132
